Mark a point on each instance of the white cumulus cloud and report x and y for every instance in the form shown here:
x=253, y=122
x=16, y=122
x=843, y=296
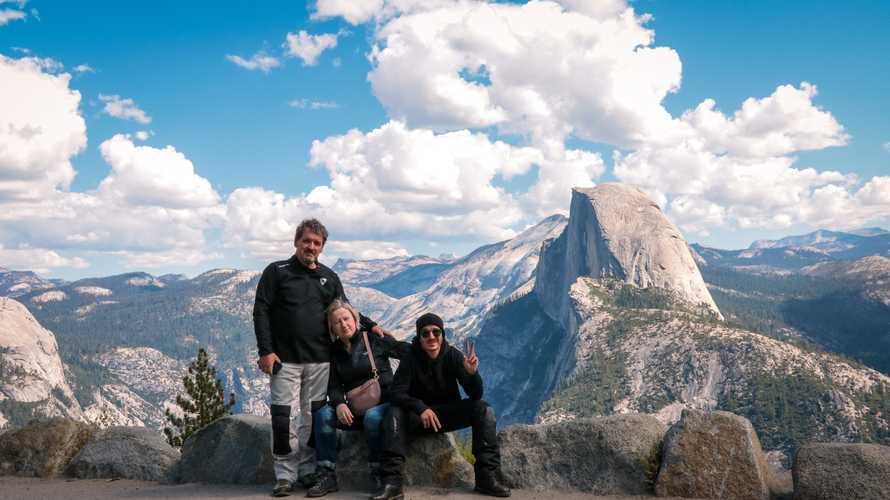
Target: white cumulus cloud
x=125, y=109
x=151, y=207
x=353, y=11
x=143, y=175
x=83, y=68
x=365, y=249
x=40, y=260
x=7, y=15
x=785, y=122
x=736, y=171
x=308, y=47
x=312, y=104
x=40, y=129
x=538, y=69
x=395, y=181
x=259, y=61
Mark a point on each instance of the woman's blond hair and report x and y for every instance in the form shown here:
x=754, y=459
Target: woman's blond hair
x=336, y=305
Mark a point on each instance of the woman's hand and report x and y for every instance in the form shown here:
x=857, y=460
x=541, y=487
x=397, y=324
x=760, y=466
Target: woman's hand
x=344, y=414
x=430, y=420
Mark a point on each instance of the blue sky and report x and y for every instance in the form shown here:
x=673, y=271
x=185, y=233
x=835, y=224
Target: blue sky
x=438, y=160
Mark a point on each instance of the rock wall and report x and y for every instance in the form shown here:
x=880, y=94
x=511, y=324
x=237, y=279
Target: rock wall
x=32, y=375
x=616, y=231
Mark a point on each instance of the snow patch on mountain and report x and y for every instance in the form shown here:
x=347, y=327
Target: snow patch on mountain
x=97, y=291
x=51, y=296
x=84, y=310
x=146, y=281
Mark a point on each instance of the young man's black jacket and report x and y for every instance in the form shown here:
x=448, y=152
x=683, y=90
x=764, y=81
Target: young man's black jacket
x=421, y=382
x=289, y=311
x=352, y=369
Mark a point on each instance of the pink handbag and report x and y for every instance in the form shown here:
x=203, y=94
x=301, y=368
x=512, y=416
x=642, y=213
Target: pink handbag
x=367, y=395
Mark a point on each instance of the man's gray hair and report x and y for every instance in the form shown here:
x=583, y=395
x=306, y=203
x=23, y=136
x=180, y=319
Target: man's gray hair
x=336, y=305
x=312, y=225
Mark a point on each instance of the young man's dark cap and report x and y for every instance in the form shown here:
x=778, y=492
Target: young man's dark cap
x=429, y=319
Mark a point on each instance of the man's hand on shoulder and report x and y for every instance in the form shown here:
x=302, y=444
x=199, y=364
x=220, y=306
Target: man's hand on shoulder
x=380, y=332
x=265, y=363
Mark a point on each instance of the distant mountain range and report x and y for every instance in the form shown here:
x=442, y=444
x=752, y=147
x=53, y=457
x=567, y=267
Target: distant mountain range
x=795, y=252
x=604, y=312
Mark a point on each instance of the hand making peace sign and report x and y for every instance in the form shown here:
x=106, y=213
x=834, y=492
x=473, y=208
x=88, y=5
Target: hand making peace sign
x=471, y=362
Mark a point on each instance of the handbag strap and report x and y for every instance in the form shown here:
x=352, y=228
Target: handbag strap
x=370, y=354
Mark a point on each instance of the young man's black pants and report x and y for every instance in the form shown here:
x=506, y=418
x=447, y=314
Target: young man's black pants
x=398, y=424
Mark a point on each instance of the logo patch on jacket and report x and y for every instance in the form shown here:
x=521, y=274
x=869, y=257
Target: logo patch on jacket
x=322, y=281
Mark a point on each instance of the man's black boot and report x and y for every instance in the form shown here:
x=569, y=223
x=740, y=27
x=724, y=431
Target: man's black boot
x=376, y=477
x=327, y=483
x=492, y=487
x=390, y=492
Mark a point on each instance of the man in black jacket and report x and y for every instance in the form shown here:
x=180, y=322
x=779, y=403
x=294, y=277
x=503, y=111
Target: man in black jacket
x=295, y=348
x=426, y=399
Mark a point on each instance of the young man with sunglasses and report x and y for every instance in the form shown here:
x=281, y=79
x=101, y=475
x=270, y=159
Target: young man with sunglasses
x=425, y=399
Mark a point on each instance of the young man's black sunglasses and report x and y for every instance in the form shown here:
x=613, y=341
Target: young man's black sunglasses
x=434, y=332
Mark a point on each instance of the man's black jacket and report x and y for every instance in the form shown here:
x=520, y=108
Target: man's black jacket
x=350, y=369
x=421, y=382
x=289, y=311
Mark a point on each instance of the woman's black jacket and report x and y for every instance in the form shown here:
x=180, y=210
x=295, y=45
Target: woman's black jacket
x=352, y=369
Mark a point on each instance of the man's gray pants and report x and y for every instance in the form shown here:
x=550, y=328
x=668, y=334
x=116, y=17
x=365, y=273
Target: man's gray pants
x=294, y=388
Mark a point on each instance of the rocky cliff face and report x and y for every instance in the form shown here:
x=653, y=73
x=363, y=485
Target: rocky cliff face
x=32, y=376
x=620, y=321
x=616, y=231
x=638, y=352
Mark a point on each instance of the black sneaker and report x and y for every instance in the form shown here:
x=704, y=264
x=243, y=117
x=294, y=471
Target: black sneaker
x=307, y=481
x=327, y=483
x=282, y=488
x=390, y=492
x=492, y=488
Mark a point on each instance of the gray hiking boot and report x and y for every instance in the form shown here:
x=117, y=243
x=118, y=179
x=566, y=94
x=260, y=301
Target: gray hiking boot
x=282, y=488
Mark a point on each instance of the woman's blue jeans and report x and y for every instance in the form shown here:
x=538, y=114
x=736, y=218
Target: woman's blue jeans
x=325, y=425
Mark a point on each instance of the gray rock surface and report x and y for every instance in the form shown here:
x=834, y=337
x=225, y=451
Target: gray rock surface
x=125, y=452
x=824, y=471
x=235, y=449
x=713, y=455
x=616, y=231
x=42, y=448
x=32, y=375
x=615, y=455
x=432, y=461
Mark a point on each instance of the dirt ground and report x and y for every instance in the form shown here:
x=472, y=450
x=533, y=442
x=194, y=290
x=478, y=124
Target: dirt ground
x=21, y=488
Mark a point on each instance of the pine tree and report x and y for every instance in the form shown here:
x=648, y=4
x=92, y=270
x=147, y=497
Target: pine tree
x=205, y=403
